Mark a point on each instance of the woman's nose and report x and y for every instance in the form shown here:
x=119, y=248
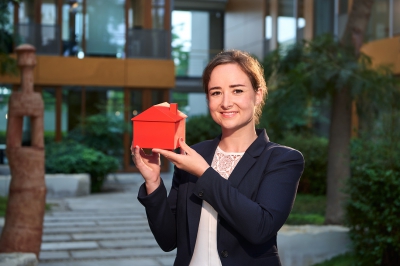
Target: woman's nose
x=226, y=101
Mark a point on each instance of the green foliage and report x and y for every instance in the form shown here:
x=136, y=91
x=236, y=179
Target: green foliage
x=3, y=137
x=346, y=259
x=8, y=65
x=101, y=132
x=3, y=206
x=373, y=208
x=315, y=152
x=71, y=157
x=308, y=209
x=200, y=128
x=305, y=77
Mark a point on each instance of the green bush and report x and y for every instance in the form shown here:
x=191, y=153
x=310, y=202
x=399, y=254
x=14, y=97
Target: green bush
x=315, y=152
x=308, y=209
x=373, y=208
x=346, y=259
x=70, y=157
x=3, y=137
x=101, y=132
x=200, y=128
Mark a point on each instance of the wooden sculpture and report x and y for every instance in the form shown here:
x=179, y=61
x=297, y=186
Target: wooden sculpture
x=23, y=226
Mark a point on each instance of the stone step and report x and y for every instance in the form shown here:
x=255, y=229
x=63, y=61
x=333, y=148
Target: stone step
x=167, y=260
x=75, y=217
x=123, y=211
x=133, y=223
x=104, y=254
x=106, y=244
x=114, y=235
x=102, y=229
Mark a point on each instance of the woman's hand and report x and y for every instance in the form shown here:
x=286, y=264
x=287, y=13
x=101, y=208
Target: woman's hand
x=149, y=167
x=189, y=160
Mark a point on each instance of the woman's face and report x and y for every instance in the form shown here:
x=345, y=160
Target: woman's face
x=231, y=97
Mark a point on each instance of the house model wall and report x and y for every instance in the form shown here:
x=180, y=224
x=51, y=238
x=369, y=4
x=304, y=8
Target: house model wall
x=160, y=126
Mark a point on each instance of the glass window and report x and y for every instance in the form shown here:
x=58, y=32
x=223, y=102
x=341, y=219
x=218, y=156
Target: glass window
x=49, y=12
x=72, y=28
x=157, y=13
x=10, y=14
x=64, y=113
x=5, y=92
x=196, y=37
x=290, y=24
x=105, y=28
x=378, y=26
x=396, y=17
x=157, y=96
x=181, y=98
x=323, y=17
x=72, y=98
x=49, y=100
x=135, y=108
x=26, y=12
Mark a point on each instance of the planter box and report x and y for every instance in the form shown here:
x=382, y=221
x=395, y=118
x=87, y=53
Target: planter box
x=18, y=259
x=57, y=185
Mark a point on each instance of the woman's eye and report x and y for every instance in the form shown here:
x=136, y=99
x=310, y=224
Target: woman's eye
x=237, y=91
x=215, y=93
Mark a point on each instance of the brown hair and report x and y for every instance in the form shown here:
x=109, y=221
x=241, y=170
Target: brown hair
x=249, y=65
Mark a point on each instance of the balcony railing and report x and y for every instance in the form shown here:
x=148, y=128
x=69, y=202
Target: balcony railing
x=143, y=43
x=45, y=38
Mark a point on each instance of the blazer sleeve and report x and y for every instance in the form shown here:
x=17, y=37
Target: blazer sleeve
x=259, y=220
x=161, y=213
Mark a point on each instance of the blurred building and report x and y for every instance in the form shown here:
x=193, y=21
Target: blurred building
x=95, y=56
x=122, y=56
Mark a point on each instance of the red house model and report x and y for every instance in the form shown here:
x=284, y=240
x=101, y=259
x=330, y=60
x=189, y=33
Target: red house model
x=160, y=126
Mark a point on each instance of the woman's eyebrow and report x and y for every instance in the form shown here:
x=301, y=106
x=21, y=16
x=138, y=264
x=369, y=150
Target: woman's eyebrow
x=230, y=86
x=236, y=85
x=214, y=88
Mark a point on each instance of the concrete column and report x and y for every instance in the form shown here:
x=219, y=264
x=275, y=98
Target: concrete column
x=309, y=17
x=274, y=20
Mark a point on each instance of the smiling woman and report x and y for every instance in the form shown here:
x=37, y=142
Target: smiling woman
x=231, y=195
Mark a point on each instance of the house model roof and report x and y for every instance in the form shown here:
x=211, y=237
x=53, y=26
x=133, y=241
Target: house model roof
x=163, y=112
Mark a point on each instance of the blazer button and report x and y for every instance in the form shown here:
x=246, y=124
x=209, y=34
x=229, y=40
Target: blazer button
x=224, y=253
x=201, y=194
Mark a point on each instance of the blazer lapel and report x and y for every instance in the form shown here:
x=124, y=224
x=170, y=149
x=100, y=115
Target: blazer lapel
x=249, y=158
x=194, y=203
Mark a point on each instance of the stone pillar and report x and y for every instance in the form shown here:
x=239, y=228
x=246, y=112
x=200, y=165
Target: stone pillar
x=23, y=226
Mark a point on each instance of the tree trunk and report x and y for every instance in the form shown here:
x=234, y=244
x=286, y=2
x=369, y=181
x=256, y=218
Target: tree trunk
x=338, y=156
x=340, y=129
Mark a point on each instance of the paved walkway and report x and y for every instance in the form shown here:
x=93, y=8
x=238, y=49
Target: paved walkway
x=110, y=228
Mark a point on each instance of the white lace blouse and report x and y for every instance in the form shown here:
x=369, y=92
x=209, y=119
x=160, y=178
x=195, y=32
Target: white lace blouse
x=205, y=250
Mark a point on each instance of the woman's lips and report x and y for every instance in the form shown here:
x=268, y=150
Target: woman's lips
x=228, y=114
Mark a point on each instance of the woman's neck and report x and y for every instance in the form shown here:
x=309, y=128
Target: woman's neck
x=238, y=140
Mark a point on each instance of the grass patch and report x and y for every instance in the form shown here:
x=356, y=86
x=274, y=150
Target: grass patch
x=308, y=209
x=3, y=206
x=346, y=259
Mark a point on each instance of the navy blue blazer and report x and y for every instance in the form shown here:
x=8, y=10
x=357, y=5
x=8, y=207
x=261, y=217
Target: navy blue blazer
x=252, y=204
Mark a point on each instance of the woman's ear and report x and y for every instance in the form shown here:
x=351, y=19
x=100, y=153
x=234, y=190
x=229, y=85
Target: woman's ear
x=259, y=96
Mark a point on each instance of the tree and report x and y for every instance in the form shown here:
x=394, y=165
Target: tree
x=340, y=130
x=321, y=69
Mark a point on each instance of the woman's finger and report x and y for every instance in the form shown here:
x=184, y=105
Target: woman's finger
x=185, y=149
